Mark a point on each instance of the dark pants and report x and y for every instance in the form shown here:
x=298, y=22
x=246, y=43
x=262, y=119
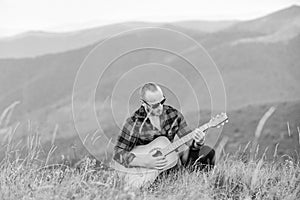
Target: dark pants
x=201, y=159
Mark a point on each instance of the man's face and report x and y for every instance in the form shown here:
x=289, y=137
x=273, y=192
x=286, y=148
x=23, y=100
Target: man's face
x=153, y=98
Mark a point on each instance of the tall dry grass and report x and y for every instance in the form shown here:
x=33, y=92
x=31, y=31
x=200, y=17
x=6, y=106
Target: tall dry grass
x=27, y=176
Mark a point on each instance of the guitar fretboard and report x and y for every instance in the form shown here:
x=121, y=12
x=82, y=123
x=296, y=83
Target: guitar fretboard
x=173, y=146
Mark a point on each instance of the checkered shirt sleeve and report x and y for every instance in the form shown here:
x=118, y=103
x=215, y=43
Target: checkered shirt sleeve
x=125, y=143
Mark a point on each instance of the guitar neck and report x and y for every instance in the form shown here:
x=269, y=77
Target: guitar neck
x=172, y=147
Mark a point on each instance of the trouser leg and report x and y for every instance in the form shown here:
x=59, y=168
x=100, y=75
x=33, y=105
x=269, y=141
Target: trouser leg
x=203, y=158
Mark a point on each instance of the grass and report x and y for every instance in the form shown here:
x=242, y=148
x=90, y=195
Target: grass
x=25, y=175
x=232, y=178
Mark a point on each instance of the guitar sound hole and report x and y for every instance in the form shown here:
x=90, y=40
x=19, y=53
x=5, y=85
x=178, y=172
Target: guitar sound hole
x=157, y=153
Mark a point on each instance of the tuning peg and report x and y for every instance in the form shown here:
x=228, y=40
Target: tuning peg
x=223, y=124
x=218, y=126
x=227, y=121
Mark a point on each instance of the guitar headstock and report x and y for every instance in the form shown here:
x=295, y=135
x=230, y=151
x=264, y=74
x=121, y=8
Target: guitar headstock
x=218, y=120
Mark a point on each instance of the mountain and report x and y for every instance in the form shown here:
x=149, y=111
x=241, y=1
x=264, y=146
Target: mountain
x=272, y=22
x=245, y=67
x=36, y=43
x=205, y=26
x=256, y=69
x=279, y=26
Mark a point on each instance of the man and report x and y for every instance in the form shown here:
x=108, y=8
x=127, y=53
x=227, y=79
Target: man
x=154, y=119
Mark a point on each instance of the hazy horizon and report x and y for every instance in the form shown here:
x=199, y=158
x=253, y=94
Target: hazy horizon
x=37, y=16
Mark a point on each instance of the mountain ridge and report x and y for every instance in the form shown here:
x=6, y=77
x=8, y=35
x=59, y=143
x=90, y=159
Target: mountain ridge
x=253, y=72
x=37, y=43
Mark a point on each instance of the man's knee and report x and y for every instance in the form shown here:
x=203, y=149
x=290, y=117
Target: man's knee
x=207, y=150
x=205, y=155
x=208, y=154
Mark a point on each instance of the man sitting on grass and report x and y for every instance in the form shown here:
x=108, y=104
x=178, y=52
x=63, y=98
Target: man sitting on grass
x=154, y=119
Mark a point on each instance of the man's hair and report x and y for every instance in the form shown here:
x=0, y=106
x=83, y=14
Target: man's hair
x=153, y=87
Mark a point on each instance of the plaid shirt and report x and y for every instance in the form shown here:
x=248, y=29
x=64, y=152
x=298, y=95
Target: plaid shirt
x=138, y=130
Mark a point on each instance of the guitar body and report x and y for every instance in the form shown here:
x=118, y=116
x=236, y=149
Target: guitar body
x=139, y=176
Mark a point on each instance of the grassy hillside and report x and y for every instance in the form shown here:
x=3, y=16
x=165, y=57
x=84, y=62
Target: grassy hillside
x=29, y=172
x=279, y=132
x=61, y=168
x=259, y=63
x=232, y=178
x=252, y=73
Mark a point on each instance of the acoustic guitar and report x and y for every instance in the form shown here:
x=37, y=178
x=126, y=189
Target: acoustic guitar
x=139, y=176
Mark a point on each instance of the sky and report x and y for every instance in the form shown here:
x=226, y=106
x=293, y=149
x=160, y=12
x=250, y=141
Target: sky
x=17, y=16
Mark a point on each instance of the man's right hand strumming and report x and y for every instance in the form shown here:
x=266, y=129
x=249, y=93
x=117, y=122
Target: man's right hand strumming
x=149, y=161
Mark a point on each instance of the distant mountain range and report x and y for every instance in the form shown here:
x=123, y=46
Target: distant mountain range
x=36, y=43
x=258, y=59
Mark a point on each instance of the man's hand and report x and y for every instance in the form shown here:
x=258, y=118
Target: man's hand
x=158, y=162
x=149, y=161
x=199, y=136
